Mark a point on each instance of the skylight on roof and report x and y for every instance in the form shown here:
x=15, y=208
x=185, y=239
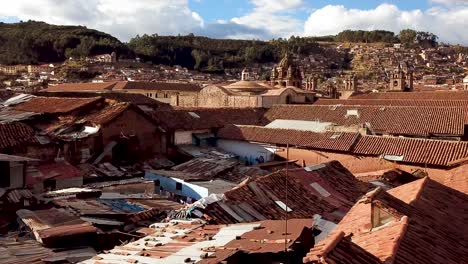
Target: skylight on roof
x=317, y=187
x=194, y=115
x=315, y=167
x=283, y=206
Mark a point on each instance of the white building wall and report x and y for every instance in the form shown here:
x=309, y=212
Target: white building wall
x=247, y=151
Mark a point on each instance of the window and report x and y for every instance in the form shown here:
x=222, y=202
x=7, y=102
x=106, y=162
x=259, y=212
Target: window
x=178, y=186
x=380, y=216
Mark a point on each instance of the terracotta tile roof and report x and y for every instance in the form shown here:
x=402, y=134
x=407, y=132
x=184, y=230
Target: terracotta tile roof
x=236, y=116
x=134, y=98
x=56, y=105
x=15, y=134
x=183, y=120
x=413, y=150
x=458, y=179
x=174, y=242
x=124, y=85
x=401, y=120
x=268, y=238
x=324, y=190
x=417, y=230
x=394, y=102
x=338, y=248
x=327, y=141
x=107, y=114
x=438, y=95
x=72, y=87
x=157, y=86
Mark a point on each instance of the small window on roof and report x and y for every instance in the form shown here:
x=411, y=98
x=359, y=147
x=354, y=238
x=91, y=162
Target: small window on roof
x=380, y=216
x=335, y=136
x=178, y=186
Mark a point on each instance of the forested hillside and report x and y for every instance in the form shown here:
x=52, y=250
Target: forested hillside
x=202, y=53
x=34, y=42
x=37, y=42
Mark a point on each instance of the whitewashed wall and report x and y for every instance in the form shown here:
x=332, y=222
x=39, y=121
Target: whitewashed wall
x=246, y=150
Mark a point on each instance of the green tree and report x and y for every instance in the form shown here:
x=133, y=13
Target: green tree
x=407, y=36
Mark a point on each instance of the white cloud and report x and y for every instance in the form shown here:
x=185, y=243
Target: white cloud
x=266, y=19
x=271, y=17
x=448, y=23
x=277, y=5
x=122, y=18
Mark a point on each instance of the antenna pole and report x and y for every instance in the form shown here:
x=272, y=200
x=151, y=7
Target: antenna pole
x=286, y=203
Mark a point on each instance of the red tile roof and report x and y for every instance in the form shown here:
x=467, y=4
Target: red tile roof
x=458, y=179
x=134, y=98
x=182, y=120
x=236, y=116
x=158, y=86
x=400, y=120
x=439, y=95
x=426, y=225
x=257, y=200
x=197, y=119
x=327, y=141
x=107, y=114
x=56, y=105
x=338, y=248
x=394, y=102
x=268, y=238
x=413, y=150
x=125, y=85
x=15, y=134
x=106, y=86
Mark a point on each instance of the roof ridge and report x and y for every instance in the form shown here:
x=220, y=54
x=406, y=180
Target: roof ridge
x=404, y=221
x=329, y=245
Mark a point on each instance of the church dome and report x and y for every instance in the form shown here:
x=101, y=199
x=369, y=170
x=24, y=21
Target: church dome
x=285, y=62
x=247, y=86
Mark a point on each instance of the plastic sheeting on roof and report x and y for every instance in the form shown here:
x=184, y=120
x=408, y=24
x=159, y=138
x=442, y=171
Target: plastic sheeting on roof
x=393, y=157
x=21, y=98
x=314, y=126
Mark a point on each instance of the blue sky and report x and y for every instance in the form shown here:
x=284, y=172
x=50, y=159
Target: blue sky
x=247, y=19
x=213, y=10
